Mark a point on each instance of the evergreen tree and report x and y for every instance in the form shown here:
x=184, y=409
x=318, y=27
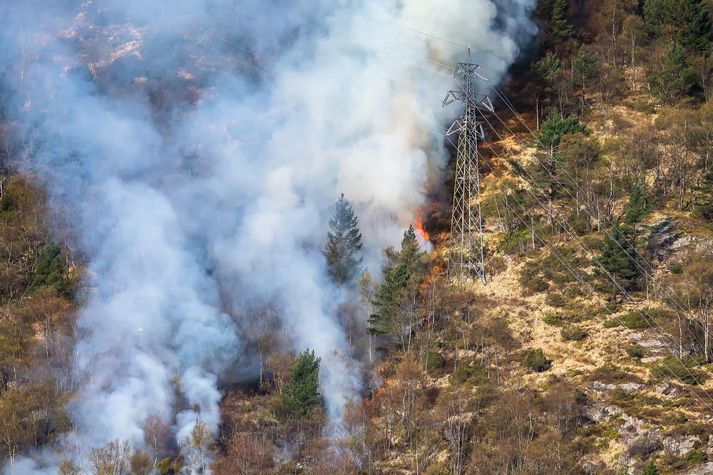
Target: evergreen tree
x=675, y=78
x=618, y=257
x=300, y=396
x=397, y=277
x=343, y=246
x=687, y=22
x=554, y=128
x=638, y=205
x=704, y=196
x=555, y=14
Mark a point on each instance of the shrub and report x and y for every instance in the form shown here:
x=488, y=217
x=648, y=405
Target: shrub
x=475, y=374
x=48, y=268
x=516, y=241
x=650, y=469
x=433, y=359
x=554, y=319
x=635, y=351
x=672, y=367
x=573, y=334
x=536, y=360
x=555, y=299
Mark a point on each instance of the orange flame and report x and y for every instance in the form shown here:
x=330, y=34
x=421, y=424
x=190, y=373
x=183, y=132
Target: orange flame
x=420, y=230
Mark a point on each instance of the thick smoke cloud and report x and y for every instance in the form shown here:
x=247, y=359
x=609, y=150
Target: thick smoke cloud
x=198, y=146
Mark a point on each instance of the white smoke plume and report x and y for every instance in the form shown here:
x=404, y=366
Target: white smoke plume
x=199, y=146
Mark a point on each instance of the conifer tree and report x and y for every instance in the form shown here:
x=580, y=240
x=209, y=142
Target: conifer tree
x=300, y=396
x=555, y=13
x=638, y=205
x=675, y=78
x=618, y=257
x=687, y=22
x=343, y=247
x=397, y=278
x=704, y=198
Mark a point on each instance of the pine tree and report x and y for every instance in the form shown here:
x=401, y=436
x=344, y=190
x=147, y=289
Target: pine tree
x=343, y=247
x=704, y=196
x=687, y=22
x=397, y=277
x=618, y=257
x=675, y=78
x=555, y=13
x=638, y=205
x=300, y=396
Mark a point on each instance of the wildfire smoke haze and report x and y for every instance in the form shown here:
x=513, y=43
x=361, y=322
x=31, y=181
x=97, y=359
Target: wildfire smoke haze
x=197, y=147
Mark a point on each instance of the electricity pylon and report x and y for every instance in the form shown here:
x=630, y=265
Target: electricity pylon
x=467, y=256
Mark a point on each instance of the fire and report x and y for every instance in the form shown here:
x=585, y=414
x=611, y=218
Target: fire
x=420, y=230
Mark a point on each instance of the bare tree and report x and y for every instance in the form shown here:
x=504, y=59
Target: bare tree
x=112, y=459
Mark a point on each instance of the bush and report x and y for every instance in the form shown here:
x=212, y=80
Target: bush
x=536, y=360
x=475, y=374
x=573, y=334
x=672, y=367
x=433, y=359
x=555, y=299
x=554, y=319
x=48, y=268
x=515, y=241
x=635, y=351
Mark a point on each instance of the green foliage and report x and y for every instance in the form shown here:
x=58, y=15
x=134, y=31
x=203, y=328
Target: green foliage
x=558, y=28
x=618, y=257
x=554, y=128
x=555, y=299
x=639, y=203
x=635, y=351
x=536, y=360
x=300, y=396
x=685, y=21
x=548, y=68
x=433, y=359
x=683, y=370
x=704, y=196
x=48, y=268
x=343, y=248
x=515, y=240
x=554, y=319
x=573, y=334
x=650, y=469
x=585, y=66
x=401, y=278
x=475, y=374
x=675, y=78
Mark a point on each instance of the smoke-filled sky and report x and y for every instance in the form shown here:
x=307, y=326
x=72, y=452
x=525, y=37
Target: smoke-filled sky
x=198, y=147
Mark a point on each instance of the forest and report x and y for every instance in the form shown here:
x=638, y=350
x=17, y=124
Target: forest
x=588, y=350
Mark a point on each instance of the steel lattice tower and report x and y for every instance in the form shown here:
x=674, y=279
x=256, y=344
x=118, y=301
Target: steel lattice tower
x=467, y=255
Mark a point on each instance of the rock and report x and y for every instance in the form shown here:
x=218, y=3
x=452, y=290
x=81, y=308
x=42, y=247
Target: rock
x=662, y=236
x=629, y=387
x=599, y=411
x=667, y=389
x=680, y=445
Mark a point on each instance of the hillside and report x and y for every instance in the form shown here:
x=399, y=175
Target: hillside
x=586, y=351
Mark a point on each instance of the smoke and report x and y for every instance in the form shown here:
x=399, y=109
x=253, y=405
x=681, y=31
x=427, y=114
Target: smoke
x=199, y=146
